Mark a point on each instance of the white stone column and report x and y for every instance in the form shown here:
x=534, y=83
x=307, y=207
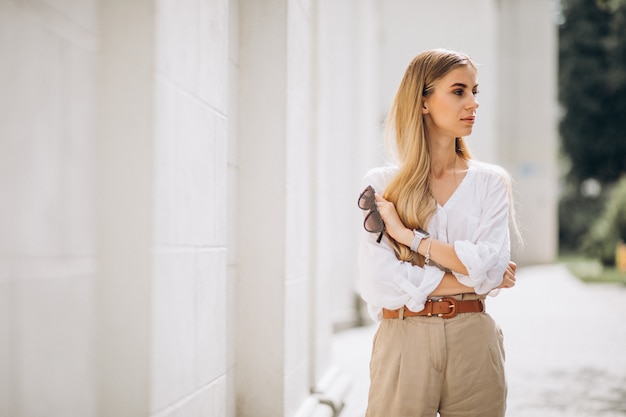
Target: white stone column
x=262, y=206
x=527, y=120
x=232, y=206
x=337, y=151
x=190, y=324
x=282, y=320
x=124, y=198
x=47, y=254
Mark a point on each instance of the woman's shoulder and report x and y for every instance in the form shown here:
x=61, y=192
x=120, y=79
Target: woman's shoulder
x=380, y=177
x=490, y=172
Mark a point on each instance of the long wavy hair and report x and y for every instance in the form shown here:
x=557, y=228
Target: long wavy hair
x=405, y=135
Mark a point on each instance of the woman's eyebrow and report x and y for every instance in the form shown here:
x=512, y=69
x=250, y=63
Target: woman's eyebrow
x=461, y=85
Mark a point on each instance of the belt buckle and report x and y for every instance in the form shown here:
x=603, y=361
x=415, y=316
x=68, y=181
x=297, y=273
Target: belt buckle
x=453, y=308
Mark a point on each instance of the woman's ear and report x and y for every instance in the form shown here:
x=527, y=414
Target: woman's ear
x=425, y=105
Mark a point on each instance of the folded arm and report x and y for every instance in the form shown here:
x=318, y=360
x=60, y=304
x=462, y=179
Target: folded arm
x=480, y=261
x=449, y=285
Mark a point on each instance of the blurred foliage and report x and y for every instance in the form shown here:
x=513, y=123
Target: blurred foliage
x=592, y=92
x=609, y=228
x=592, y=271
x=592, y=88
x=576, y=215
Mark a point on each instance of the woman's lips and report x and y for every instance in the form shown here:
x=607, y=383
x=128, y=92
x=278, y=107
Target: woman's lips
x=470, y=120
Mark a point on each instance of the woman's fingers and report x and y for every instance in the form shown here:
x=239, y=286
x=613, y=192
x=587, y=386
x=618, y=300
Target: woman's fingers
x=386, y=209
x=511, y=270
x=507, y=283
x=393, y=225
x=508, y=280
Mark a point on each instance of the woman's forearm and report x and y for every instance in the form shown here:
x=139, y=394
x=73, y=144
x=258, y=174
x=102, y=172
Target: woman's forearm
x=449, y=285
x=442, y=253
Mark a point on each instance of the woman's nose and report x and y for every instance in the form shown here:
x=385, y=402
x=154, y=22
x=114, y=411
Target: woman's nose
x=473, y=104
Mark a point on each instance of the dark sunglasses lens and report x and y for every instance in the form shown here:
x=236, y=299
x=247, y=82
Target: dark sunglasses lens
x=374, y=223
x=367, y=199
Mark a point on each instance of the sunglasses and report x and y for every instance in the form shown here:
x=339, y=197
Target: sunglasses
x=373, y=223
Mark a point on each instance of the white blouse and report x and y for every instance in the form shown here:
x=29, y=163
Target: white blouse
x=475, y=219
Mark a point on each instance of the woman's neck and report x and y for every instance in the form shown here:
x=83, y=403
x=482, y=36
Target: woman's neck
x=443, y=157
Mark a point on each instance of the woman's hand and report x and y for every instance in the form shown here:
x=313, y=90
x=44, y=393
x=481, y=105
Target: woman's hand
x=508, y=280
x=393, y=225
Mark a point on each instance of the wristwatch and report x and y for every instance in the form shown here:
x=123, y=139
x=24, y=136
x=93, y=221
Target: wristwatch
x=419, y=236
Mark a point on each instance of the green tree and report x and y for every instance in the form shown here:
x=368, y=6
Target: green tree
x=582, y=88
x=592, y=92
x=616, y=87
x=608, y=228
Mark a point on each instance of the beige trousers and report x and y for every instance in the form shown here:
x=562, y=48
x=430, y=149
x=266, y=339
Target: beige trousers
x=424, y=365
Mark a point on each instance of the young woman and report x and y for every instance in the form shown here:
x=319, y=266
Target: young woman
x=445, y=247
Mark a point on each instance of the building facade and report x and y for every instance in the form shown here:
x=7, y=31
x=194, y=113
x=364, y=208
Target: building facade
x=179, y=184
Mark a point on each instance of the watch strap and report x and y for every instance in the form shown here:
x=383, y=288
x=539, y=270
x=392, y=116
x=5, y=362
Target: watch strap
x=419, y=236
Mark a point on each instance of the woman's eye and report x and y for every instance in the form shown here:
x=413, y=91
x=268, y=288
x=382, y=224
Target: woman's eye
x=475, y=92
x=458, y=92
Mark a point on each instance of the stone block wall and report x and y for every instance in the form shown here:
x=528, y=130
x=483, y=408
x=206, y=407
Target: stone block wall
x=158, y=256
x=189, y=287
x=178, y=185
x=47, y=209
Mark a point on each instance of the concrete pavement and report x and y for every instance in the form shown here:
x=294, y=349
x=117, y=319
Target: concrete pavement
x=565, y=343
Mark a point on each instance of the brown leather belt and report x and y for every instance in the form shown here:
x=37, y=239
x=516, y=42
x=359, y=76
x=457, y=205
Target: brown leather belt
x=446, y=308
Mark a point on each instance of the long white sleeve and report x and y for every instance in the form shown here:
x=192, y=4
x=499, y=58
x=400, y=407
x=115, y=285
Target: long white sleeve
x=385, y=281
x=389, y=283
x=486, y=253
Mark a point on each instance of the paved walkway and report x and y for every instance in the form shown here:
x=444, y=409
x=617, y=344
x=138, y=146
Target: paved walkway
x=565, y=343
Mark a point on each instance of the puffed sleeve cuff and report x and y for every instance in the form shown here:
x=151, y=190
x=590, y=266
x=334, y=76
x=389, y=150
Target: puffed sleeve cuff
x=494, y=292
x=419, y=294
x=479, y=260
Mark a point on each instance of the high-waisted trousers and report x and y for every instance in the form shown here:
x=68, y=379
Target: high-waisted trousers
x=422, y=366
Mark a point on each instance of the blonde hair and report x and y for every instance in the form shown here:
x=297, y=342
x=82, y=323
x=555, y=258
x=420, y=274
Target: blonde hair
x=410, y=190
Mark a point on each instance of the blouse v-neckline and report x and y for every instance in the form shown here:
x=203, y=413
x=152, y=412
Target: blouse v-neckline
x=453, y=196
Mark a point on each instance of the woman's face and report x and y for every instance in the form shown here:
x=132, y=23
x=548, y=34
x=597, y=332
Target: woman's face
x=450, y=110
